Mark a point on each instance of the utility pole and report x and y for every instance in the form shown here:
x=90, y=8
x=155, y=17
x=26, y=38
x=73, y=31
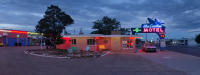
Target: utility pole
x=146, y=38
x=81, y=32
x=146, y=34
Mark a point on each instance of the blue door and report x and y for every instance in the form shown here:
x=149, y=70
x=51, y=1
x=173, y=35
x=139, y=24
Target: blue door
x=28, y=42
x=4, y=40
x=22, y=41
x=12, y=41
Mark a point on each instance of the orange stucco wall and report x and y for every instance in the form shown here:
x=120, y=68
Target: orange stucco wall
x=115, y=43
x=65, y=45
x=81, y=43
x=110, y=43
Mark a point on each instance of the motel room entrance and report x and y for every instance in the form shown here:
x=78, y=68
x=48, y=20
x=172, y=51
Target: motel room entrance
x=123, y=43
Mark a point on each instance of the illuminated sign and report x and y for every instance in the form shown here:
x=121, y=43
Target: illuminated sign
x=154, y=26
x=162, y=35
x=17, y=31
x=18, y=36
x=151, y=26
x=148, y=30
x=136, y=30
x=152, y=30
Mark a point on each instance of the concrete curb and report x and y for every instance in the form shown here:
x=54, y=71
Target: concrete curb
x=106, y=53
x=26, y=52
x=43, y=55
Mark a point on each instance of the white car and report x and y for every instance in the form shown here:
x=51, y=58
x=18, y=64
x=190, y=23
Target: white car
x=149, y=48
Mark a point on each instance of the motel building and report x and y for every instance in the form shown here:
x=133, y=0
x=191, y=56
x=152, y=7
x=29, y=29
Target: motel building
x=97, y=42
x=18, y=38
x=115, y=42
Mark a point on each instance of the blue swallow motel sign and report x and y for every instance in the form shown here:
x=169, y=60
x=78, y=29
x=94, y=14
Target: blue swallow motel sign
x=152, y=27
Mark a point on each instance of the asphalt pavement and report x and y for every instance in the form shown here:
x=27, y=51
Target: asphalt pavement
x=13, y=61
x=191, y=50
x=176, y=60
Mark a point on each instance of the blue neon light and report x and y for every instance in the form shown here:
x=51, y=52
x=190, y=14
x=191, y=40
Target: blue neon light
x=153, y=24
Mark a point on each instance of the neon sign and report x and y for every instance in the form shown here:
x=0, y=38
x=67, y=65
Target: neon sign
x=17, y=31
x=151, y=26
x=148, y=30
x=137, y=30
x=154, y=26
x=152, y=30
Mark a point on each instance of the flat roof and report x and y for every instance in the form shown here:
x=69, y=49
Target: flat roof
x=99, y=35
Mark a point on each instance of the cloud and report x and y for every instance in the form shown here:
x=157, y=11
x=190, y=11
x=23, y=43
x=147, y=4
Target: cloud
x=107, y=10
x=22, y=13
x=176, y=14
x=37, y=14
x=17, y=27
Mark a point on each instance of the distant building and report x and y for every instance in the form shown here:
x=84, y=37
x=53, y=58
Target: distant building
x=175, y=42
x=18, y=38
x=115, y=32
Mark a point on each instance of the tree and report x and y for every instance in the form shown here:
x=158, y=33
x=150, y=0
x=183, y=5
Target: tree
x=125, y=31
x=53, y=23
x=105, y=26
x=197, y=39
x=66, y=33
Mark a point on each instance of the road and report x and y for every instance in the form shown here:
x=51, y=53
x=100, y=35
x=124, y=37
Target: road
x=191, y=50
x=13, y=61
x=175, y=60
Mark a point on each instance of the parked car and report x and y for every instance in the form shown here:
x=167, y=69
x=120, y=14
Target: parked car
x=149, y=48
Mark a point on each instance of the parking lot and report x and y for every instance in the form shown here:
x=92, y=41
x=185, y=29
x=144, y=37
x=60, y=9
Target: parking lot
x=191, y=50
x=13, y=61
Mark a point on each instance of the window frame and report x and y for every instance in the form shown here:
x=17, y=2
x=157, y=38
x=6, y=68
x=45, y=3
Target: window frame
x=91, y=41
x=73, y=41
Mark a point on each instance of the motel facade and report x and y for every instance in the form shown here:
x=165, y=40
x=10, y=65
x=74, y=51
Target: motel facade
x=100, y=42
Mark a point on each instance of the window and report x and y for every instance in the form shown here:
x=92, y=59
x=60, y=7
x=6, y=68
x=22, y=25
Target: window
x=105, y=41
x=127, y=44
x=73, y=41
x=90, y=41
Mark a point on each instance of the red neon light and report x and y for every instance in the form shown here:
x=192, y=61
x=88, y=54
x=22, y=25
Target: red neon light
x=137, y=37
x=96, y=37
x=157, y=29
x=161, y=30
x=145, y=29
x=16, y=31
x=131, y=38
x=66, y=38
x=162, y=35
x=150, y=30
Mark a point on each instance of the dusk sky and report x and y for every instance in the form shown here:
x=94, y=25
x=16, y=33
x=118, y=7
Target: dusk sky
x=181, y=17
